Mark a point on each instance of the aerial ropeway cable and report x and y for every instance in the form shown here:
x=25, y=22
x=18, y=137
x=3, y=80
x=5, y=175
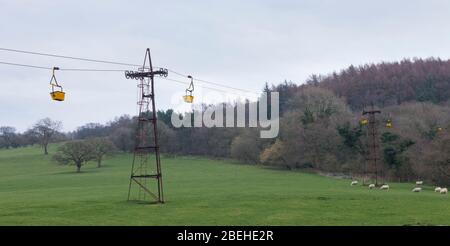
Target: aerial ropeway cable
x=118, y=63
x=58, y=94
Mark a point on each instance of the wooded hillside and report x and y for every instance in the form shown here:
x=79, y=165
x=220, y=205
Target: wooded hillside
x=319, y=125
x=391, y=83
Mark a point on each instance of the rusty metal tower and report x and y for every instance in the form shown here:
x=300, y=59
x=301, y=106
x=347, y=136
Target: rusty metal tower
x=373, y=162
x=144, y=172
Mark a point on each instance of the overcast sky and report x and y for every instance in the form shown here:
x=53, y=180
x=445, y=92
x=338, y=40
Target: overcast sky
x=238, y=43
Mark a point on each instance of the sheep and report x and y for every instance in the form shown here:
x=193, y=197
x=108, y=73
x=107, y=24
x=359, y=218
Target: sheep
x=384, y=187
x=371, y=186
x=443, y=191
x=354, y=182
x=419, y=182
x=437, y=189
x=417, y=189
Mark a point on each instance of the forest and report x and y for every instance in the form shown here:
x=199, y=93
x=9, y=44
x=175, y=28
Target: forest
x=320, y=125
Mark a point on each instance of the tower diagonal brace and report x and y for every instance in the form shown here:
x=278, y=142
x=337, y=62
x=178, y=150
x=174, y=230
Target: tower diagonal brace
x=143, y=173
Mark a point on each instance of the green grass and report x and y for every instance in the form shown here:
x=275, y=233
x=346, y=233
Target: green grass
x=35, y=191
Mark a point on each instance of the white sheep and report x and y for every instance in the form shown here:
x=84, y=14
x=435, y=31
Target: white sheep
x=443, y=191
x=437, y=189
x=419, y=182
x=417, y=189
x=354, y=182
x=384, y=187
x=371, y=186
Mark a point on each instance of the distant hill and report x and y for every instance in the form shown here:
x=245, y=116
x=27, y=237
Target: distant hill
x=390, y=83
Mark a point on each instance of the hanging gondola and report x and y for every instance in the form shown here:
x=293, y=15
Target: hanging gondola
x=57, y=93
x=389, y=123
x=363, y=121
x=189, y=98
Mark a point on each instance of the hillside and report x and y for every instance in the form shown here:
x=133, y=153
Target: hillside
x=319, y=125
x=199, y=191
x=390, y=83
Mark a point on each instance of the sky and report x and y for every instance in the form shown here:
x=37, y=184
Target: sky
x=241, y=44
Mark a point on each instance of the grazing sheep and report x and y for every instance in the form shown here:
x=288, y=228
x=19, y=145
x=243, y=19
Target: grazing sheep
x=443, y=191
x=419, y=182
x=437, y=189
x=417, y=189
x=371, y=186
x=384, y=187
x=354, y=182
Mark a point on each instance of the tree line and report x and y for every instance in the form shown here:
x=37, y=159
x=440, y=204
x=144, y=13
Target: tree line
x=43, y=132
x=320, y=126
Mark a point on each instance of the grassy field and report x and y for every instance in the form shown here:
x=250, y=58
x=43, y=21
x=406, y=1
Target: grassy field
x=35, y=191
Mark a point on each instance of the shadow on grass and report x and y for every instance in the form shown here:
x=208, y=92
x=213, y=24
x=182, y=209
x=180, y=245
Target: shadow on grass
x=89, y=169
x=141, y=202
x=74, y=172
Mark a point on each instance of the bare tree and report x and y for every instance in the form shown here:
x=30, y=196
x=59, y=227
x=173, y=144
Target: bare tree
x=101, y=147
x=123, y=138
x=246, y=147
x=7, y=134
x=44, y=130
x=432, y=160
x=74, y=153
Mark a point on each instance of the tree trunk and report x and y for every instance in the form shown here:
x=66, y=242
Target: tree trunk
x=45, y=149
x=78, y=168
x=99, y=162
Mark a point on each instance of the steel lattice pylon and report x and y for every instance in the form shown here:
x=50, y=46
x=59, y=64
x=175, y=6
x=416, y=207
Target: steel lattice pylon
x=373, y=163
x=146, y=142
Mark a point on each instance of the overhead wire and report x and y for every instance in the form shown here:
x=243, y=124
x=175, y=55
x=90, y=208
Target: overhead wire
x=206, y=87
x=90, y=70
x=105, y=70
x=69, y=57
x=25, y=65
x=62, y=69
x=210, y=82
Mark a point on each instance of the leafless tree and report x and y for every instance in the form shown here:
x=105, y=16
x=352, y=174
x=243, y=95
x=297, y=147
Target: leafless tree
x=44, y=130
x=7, y=134
x=101, y=147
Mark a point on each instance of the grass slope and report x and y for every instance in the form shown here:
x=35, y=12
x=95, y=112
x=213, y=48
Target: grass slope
x=35, y=191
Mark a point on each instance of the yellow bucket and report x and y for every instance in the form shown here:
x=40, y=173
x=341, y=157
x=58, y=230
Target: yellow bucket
x=364, y=122
x=188, y=98
x=389, y=125
x=57, y=95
